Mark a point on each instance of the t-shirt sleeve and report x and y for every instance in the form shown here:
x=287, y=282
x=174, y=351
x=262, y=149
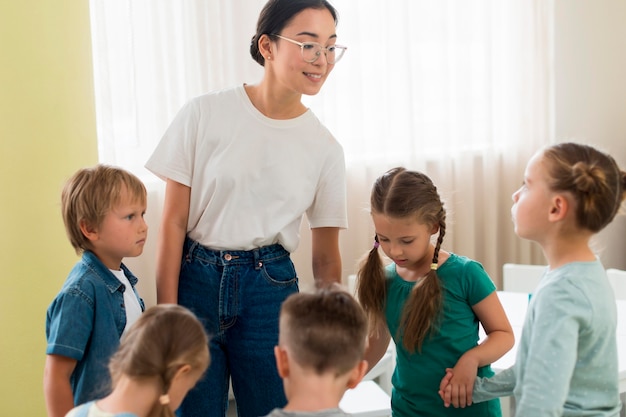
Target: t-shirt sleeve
x=478, y=282
x=69, y=324
x=329, y=208
x=173, y=158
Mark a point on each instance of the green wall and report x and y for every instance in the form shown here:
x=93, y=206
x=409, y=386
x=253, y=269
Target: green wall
x=47, y=131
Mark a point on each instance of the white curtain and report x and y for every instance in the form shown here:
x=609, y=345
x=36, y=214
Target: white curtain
x=460, y=89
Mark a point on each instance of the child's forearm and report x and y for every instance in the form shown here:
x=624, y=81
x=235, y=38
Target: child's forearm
x=499, y=385
x=496, y=344
x=56, y=385
x=59, y=396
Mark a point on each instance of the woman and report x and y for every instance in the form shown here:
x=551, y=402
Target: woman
x=242, y=166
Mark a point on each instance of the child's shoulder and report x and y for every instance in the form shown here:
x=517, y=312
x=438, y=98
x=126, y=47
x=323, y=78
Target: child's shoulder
x=460, y=262
x=87, y=275
x=466, y=275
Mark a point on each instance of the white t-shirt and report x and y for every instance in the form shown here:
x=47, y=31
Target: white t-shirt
x=252, y=177
x=131, y=302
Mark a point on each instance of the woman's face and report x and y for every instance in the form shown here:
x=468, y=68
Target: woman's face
x=290, y=70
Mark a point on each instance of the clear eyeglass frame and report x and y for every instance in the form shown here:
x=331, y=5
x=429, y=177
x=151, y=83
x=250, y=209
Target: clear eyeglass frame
x=311, y=51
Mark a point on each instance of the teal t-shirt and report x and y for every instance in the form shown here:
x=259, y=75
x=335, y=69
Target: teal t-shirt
x=417, y=375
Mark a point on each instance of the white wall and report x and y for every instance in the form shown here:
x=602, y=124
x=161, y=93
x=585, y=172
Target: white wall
x=590, y=91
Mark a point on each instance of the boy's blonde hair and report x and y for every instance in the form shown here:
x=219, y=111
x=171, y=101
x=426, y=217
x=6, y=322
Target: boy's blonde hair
x=325, y=331
x=90, y=193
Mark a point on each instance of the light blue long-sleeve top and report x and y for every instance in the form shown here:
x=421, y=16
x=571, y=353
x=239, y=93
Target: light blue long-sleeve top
x=567, y=363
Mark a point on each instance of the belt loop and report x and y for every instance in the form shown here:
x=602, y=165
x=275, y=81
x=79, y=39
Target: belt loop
x=192, y=248
x=258, y=263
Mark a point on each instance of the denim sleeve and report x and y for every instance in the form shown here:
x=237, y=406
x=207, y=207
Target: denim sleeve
x=69, y=324
x=499, y=385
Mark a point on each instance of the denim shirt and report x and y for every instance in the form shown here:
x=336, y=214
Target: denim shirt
x=85, y=322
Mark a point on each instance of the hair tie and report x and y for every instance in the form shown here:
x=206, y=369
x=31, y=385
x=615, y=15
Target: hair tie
x=376, y=244
x=433, y=267
x=164, y=399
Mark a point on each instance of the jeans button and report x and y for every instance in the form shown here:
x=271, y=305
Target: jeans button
x=228, y=257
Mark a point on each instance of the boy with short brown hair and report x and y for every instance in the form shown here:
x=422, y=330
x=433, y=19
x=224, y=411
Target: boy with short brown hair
x=322, y=340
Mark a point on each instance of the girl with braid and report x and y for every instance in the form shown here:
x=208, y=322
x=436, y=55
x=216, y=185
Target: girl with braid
x=428, y=300
x=159, y=360
x=567, y=357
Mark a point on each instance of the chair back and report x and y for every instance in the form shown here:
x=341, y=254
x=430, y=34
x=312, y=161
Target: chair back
x=617, y=278
x=521, y=277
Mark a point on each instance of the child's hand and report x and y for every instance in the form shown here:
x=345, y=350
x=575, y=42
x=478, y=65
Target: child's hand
x=445, y=390
x=460, y=384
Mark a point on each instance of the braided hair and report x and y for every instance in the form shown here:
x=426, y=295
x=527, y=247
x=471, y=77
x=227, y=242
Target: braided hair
x=400, y=193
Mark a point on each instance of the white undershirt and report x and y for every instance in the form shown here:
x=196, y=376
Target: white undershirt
x=131, y=303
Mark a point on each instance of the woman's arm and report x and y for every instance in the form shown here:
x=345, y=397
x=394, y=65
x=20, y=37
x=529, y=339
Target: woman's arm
x=325, y=255
x=500, y=339
x=171, y=239
x=56, y=385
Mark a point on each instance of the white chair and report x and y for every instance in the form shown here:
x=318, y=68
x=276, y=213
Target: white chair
x=521, y=277
x=366, y=400
x=617, y=278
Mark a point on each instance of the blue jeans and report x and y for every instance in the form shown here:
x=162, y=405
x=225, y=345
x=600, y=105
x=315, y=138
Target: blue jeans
x=237, y=295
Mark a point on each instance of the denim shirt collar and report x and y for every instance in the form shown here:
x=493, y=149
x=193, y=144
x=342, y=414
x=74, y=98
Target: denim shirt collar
x=113, y=284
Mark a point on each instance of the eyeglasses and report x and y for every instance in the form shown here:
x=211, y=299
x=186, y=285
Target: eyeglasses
x=312, y=50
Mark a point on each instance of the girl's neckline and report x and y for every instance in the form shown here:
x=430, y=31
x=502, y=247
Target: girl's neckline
x=441, y=265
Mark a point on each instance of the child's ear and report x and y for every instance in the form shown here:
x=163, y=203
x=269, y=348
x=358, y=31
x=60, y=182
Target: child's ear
x=559, y=208
x=434, y=229
x=357, y=374
x=183, y=370
x=89, y=230
x=282, y=361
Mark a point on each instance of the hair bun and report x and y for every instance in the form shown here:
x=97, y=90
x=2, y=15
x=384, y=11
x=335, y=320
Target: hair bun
x=588, y=178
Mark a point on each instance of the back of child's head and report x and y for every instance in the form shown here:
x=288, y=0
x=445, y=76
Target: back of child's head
x=593, y=178
x=325, y=331
x=403, y=194
x=165, y=338
x=90, y=193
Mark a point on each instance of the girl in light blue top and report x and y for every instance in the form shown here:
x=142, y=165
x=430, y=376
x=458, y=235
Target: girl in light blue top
x=567, y=360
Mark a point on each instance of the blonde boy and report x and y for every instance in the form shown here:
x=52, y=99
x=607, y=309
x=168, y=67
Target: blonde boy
x=103, y=209
x=322, y=340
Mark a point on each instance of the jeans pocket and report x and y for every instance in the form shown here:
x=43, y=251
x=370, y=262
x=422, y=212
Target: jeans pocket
x=281, y=272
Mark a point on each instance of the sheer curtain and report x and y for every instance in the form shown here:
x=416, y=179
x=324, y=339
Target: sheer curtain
x=458, y=89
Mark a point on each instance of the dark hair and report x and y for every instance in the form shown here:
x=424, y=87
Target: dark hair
x=325, y=330
x=402, y=194
x=90, y=194
x=277, y=14
x=164, y=338
x=592, y=177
